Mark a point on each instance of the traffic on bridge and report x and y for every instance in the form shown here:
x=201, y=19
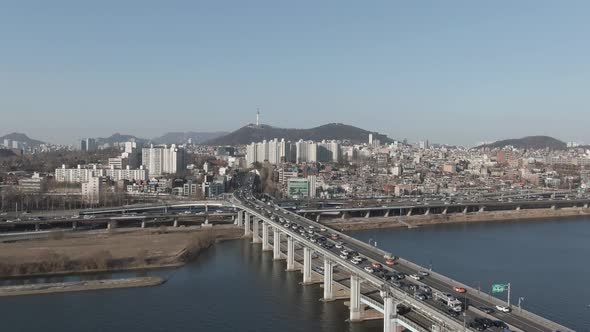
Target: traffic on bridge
x=409, y=296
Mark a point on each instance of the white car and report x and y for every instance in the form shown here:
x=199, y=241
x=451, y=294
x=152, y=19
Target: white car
x=415, y=277
x=369, y=269
x=355, y=261
x=424, y=273
x=338, y=245
x=502, y=308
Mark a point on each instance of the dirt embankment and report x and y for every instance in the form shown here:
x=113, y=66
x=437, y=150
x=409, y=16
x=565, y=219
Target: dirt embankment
x=79, y=286
x=139, y=249
x=424, y=220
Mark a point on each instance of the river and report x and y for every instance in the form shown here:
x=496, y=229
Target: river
x=235, y=287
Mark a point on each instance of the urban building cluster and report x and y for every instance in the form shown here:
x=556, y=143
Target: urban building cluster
x=306, y=169
x=277, y=152
x=373, y=169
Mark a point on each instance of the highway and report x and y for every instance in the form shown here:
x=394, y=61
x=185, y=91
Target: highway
x=313, y=236
x=457, y=205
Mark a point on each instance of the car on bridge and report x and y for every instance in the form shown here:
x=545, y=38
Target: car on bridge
x=459, y=289
x=377, y=266
x=415, y=277
x=502, y=308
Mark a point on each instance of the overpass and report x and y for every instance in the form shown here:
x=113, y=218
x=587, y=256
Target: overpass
x=440, y=207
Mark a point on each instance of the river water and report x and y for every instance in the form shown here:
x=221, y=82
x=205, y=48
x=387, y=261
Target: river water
x=235, y=287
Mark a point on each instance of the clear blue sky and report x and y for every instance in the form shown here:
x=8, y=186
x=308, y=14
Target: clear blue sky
x=448, y=71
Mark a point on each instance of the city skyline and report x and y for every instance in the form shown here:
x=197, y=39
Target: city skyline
x=456, y=73
x=75, y=141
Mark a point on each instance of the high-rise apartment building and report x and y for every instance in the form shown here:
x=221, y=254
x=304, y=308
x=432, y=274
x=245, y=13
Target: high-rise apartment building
x=91, y=190
x=275, y=152
x=163, y=159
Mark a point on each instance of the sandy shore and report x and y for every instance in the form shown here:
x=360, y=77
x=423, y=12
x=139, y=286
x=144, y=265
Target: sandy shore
x=129, y=250
x=78, y=286
x=435, y=219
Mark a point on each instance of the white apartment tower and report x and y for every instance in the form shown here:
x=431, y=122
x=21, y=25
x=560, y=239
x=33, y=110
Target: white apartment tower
x=163, y=159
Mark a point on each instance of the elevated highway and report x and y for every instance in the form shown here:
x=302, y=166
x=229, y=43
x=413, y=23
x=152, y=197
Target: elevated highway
x=370, y=281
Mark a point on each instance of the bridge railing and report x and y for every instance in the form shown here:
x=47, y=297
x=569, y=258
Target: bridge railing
x=410, y=325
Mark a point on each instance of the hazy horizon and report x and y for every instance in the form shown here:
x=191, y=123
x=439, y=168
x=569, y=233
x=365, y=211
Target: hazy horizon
x=457, y=72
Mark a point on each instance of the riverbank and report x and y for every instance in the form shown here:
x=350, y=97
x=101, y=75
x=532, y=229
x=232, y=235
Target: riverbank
x=353, y=224
x=134, y=249
x=78, y=286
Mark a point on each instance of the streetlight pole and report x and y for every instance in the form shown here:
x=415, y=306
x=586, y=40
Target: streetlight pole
x=520, y=300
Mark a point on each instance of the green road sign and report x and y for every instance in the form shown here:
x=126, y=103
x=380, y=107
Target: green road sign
x=498, y=288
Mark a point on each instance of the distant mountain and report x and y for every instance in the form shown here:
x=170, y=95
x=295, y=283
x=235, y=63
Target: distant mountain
x=529, y=142
x=23, y=138
x=183, y=137
x=336, y=131
x=117, y=138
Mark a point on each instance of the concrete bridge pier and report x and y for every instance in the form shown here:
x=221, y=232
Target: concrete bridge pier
x=427, y=212
x=317, y=218
x=306, y=265
x=255, y=231
x=445, y=210
x=175, y=222
x=328, y=287
x=518, y=208
x=409, y=212
x=74, y=224
x=553, y=207
x=355, y=298
x=586, y=206
x=481, y=209
x=37, y=227
x=265, y=243
x=368, y=214
x=112, y=224
x=240, y=218
x=143, y=224
x=465, y=210
x=389, y=311
x=247, y=231
x=290, y=253
x=387, y=213
x=276, y=244
x=344, y=214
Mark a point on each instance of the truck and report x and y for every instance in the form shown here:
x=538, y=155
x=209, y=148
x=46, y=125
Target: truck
x=449, y=300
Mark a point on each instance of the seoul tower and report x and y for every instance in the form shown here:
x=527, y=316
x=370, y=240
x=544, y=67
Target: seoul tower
x=258, y=117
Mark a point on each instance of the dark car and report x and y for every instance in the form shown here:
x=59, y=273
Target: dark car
x=402, y=309
x=487, y=310
x=501, y=324
x=452, y=313
x=477, y=326
x=485, y=322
